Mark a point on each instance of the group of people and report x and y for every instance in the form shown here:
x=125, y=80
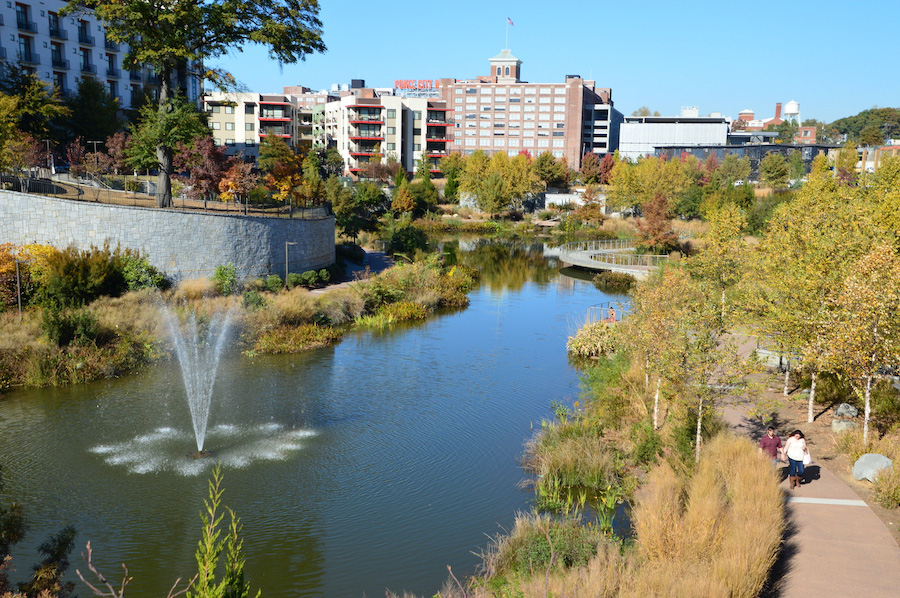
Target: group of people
x=794, y=451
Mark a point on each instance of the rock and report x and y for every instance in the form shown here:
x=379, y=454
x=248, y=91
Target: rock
x=870, y=465
x=843, y=425
x=846, y=410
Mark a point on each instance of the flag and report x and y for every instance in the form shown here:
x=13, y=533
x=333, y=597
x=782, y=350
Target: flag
x=509, y=21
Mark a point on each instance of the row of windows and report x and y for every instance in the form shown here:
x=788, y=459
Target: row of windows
x=230, y=126
x=529, y=91
x=495, y=142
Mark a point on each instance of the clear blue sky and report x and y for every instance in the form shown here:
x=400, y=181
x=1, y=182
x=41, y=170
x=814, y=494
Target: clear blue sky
x=834, y=57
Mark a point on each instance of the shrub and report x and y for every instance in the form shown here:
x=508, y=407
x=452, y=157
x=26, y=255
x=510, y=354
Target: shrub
x=140, y=274
x=545, y=215
x=293, y=339
x=274, y=283
x=647, y=443
x=253, y=300
x=225, y=279
x=407, y=240
x=614, y=281
x=132, y=185
x=887, y=489
x=195, y=288
x=72, y=278
x=593, y=340
x=66, y=327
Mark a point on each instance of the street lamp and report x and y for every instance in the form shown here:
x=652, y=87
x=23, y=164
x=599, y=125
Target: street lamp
x=286, y=243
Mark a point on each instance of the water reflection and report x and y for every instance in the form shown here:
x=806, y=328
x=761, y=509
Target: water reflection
x=505, y=265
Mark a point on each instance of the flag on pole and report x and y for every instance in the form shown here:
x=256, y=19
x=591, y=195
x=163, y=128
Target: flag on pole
x=509, y=21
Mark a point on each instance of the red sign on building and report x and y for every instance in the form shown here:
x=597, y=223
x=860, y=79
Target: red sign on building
x=415, y=84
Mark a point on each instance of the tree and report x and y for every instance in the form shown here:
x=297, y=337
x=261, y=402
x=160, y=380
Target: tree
x=773, y=170
x=75, y=155
x=95, y=165
x=550, y=171
x=473, y=176
x=606, y=167
x=649, y=180
x=117, y=146
x=176, y=37
x=644, y=111
x=719, y=262
x=845, y=165
x=862, y=339
x=93, y=112
x=591, y=173
x=206, y=165
x=796, y=166
x=452, y=167
x=591, y=208
x=734, y=169
x=871, y=135
x=787, y=130
x=403, y=201
x=332, y=163
x=492, y=198
x=238, y=181
x=22, y=155
x=37, y=103
x=274, y=154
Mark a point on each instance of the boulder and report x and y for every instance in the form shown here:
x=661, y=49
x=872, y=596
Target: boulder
x=846, y=410
x=870, y=465
x=839, y=426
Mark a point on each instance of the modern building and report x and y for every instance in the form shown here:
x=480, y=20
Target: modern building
x=62, y=49
x=239, y=121
x=501, y=112
x=643, y=135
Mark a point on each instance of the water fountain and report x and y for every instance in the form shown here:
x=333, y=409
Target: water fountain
x=198, y=354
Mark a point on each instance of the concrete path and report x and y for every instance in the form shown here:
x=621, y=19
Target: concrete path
x=835, y=545
x=375, y=261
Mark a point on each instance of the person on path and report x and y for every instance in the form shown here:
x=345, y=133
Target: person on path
x=770, y=444
x=795, y=449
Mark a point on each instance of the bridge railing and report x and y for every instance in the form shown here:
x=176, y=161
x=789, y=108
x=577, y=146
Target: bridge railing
x=619, y=252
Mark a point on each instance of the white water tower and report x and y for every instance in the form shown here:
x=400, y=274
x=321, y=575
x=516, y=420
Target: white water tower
x=792, y=112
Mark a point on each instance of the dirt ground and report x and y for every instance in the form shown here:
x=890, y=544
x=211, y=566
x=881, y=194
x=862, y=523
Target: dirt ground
x=792, y=414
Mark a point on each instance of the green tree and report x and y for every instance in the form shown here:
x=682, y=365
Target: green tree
x=37, y=104
x=734, y=169
x=845, y=165
x=178, y=37
x=164, y=127
x=720, y=261
x=591, y=172
x=774, y=170
x=492, y=198
x=871, y=135
x=452, y=167
x=644, y=111
x=476, y=171
x=550, y=171
x=93, y=112
x=796, y=166
x=402, y=201
x=787, y=130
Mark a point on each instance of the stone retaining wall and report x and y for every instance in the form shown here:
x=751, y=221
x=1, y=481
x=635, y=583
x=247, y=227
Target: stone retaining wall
x=182, y=244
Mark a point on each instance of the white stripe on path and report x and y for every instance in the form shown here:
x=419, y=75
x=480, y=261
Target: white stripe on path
x=827, y=501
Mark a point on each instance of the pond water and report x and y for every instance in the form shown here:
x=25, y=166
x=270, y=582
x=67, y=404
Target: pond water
x=369, y=465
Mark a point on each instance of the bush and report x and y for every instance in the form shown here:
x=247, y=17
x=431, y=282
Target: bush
x=647, y=443
x=225, y=279
x=274, y=283
x=253, y=300
x=293, y=339
x=407, y=240
x=71, y=278
x=64, y=327
x=140, y=274
x=132, y=185
x=887, y=489
x=593, y=340
x=614, y=281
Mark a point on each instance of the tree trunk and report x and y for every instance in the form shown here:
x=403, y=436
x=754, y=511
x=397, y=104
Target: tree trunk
x=164, y=154
x=812, y=396
x=699, y=437
x=868, y=410
x=646, y=375
x=787, y=376
x=723, y=308
x=656, y=405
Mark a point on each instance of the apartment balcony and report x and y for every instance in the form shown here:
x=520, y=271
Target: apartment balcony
x=134, y=75
x=3, y=53
x=59, y=63
x=365, y=138
x=88, y=68
x=113, y=72
x=366, y=121
x=26, y=25
x=111, y=45
x=85, y=38
x=437, y=137
x=275, y=118
x=57, y=33
x=369, y=106
x=439, y=122
x=28, y=58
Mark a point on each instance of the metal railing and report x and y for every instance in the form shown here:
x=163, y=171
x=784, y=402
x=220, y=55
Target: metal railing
x=59, y=63
x=59, y=33
x=74, y=188
x=85, y=38
x=618, y=253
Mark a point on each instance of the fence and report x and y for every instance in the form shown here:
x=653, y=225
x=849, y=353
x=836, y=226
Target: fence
x=67, y=186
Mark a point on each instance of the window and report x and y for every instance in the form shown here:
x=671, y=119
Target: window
x=229, y=142
x=485, y=108
x=546, y=90
x=229, y=126
x=499, y=125
x=559, y=133
x=249, y=143
x=544, y=100
x=417, y=132
x=543, y=143
x=513, y=142
x=557, y=154
x=215, y=108
x=86, y=65
x=229, y=109
x=471, y=142
x=507, y=72
x=417, y=115
x=249, y=109
x=391, y=146
x=392, y=113
x=560, y=125
x=484, y=142
x=249, y=126
x=215, y=126
x=515, y=108
x=392, y=130
x=559, y=143
x=59, y=81
x=498, y=68
x=530, y=91
x=471, y=100
x=471, y=90
x=417, y=147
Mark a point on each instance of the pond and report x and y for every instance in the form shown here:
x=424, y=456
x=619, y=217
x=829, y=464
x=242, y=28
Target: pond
x=369, y=465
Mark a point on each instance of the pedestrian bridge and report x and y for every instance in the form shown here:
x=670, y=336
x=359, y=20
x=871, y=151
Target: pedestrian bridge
x=614, y=256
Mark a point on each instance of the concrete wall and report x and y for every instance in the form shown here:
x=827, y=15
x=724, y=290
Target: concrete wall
x=182, y=244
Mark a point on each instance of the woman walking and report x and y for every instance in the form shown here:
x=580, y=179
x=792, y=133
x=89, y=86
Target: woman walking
x=795, y=449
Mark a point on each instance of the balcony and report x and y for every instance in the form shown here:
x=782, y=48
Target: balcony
x=437, y=137
x=275, y=118
x=26, y=25
x=366, y=138
x=59, y=63
x=113, y=72
x=28, y=57
x=111, y=45
x=366, y=121
x=134, y=75
x=58, y=33
x=439, y=122
x=88, y=68
x=85, y=38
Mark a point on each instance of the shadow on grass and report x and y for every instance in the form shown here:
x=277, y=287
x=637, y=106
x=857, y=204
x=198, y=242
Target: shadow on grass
x=774, y=586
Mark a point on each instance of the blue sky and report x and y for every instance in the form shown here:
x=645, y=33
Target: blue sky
x=835, y=58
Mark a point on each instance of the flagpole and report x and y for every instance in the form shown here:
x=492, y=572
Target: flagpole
x=507, y=35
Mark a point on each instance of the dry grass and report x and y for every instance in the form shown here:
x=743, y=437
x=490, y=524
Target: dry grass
x=138, y=311
x=621, y=227
x=24, y=335
x=193, y=289
x=851, y=444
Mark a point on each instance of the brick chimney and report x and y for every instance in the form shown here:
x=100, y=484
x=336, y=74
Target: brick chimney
x=778, y=110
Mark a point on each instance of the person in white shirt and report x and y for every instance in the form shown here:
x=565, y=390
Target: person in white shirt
x=795, y=449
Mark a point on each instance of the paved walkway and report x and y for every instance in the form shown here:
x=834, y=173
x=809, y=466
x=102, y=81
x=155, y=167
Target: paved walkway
x=375, y=261
x=835, y=545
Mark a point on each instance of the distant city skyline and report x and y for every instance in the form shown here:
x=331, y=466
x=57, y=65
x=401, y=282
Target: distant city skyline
x=719, y=57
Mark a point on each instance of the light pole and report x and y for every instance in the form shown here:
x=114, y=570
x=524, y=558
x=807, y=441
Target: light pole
x=286, y=243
